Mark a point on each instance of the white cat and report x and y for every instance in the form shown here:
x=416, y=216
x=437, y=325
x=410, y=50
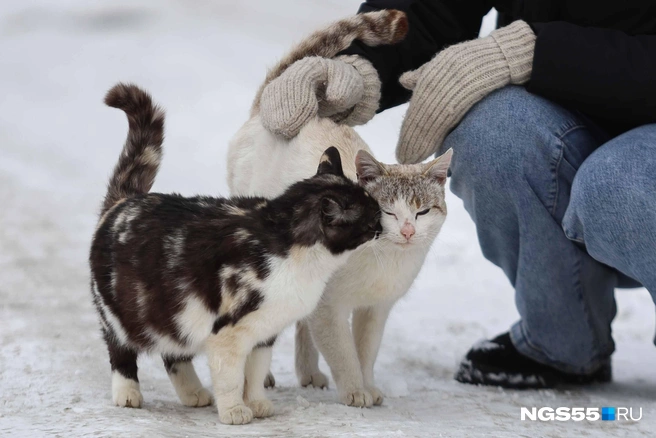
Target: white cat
x=377, y=274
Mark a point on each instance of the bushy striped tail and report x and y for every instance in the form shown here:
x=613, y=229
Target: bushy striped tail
x=388, y=26
x=137, y=166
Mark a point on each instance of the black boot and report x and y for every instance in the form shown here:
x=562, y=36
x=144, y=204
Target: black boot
x=498, y=363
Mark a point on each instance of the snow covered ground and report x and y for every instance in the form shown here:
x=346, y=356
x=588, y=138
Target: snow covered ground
x=203, y=60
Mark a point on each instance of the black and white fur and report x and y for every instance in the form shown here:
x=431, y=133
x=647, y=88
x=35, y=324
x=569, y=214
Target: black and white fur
x=178, y=276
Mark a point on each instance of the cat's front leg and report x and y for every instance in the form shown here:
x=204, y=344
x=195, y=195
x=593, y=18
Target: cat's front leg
x=368, y=327
x=330, y=330
x=226, y=353
x=257, y=367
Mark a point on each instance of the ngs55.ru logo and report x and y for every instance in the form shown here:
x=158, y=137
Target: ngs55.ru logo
x=580, y=414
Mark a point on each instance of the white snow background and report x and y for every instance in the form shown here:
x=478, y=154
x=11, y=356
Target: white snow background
x=203, y=60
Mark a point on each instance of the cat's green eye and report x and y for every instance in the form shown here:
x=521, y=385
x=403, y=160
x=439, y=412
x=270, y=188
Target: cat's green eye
x=421, y=213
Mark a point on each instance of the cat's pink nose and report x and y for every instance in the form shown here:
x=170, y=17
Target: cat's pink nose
x=408, y=230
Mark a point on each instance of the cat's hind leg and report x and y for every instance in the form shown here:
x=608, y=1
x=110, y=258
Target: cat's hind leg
x=257, y=367
x=125, y=383
x=186, y=382
x=307, y=358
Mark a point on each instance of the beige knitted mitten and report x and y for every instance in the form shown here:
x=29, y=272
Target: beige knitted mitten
x=446, y=87
x=346, y=89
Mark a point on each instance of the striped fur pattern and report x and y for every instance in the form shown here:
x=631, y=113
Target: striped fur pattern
x=136, y=168
x=179, y=276
x=374, y=28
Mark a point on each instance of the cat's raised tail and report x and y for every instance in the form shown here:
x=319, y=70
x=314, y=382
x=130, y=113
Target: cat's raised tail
x=137, y=166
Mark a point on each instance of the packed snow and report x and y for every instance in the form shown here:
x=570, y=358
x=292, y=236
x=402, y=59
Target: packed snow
x=202, y=60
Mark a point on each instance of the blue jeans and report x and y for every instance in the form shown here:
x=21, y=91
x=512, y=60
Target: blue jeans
x=566, y=211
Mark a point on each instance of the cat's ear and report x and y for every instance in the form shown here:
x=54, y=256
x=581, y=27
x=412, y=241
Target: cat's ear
x=331, y=211
x=367, y=167
x=330, y=162
x=438, y=168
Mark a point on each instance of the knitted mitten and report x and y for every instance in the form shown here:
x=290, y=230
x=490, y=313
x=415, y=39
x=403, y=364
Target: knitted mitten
x=346, y=89
x=446, y=87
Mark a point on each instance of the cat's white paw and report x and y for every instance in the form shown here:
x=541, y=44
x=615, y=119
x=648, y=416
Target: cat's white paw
x=261, y=408
x=128, y=398
x=269, y=381
x=316, y=379
x=125, y=392
x=239, y=414
x=196, y=399
x=377, y=395
x=359, y=398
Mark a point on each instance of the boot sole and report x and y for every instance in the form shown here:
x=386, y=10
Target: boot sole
x=490, y=376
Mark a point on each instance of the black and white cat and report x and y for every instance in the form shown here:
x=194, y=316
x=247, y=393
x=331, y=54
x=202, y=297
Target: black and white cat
x=178, y=276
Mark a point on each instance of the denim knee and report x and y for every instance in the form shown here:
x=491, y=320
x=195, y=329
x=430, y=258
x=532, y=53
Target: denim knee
x=594, y=199
x=611, y=210
x=507, y=142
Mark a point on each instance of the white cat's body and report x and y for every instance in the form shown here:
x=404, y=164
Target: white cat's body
x=375, y=276
x=254, y=152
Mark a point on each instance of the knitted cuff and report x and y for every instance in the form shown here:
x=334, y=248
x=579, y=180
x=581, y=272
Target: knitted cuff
x=517, y=42
x=289, y=101
x=366, y=108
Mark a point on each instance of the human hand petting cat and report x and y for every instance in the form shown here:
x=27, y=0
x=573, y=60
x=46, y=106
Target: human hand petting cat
x=346, y=89
x=446, y=87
